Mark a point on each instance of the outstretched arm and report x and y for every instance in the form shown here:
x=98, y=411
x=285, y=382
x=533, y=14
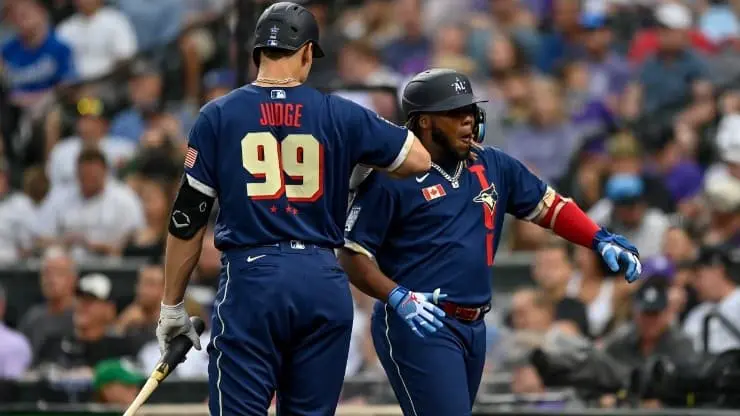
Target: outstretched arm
x=566, y=219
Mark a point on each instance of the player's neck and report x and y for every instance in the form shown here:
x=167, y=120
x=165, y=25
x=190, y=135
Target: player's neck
x=270, y=75
x=441, y=158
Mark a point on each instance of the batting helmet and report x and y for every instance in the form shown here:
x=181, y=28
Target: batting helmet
x=286, y=26
x=438, y=90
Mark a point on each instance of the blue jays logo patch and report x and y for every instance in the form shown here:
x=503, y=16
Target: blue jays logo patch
x=488, y=197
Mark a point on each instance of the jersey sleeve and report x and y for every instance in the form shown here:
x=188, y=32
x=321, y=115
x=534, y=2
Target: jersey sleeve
x=370, y=217
x=525, y=189
x=200, y=158
x=377, y=141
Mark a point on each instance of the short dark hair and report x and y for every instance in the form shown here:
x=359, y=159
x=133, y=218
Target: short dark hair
x=92, y=154
x=275, y=54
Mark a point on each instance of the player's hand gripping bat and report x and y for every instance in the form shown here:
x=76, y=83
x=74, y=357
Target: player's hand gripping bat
x=174, y=355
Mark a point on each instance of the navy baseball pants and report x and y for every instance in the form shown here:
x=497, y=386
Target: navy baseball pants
x=432, y=376
x=282, y=322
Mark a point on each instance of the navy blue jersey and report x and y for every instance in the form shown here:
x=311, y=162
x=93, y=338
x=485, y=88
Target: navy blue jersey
x=425, y=234
x=279, y=160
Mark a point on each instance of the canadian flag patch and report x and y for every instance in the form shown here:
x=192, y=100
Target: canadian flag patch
x=433, y=192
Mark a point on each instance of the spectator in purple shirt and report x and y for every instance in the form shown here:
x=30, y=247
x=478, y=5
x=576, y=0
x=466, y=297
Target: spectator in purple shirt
x=589, y=114
x=608, y=73
x=682, y=177
x=409, y=53
x=15, y=351
x=546, y=143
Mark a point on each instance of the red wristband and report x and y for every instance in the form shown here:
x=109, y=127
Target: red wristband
x=567, y=220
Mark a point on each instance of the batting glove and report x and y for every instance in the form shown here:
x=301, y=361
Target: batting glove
x=415, y=308
x=618, y=252
x=174, y=321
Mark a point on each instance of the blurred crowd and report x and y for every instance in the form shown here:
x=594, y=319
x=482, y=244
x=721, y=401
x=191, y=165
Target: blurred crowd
x=630, y=107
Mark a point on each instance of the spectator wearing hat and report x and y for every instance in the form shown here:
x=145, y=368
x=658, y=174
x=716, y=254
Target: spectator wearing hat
x=117, y=382
x=717, y=21
x=728, y=148
x=660, y=269
x=93, y=340
x=148, y=109
x=94, y=217
x=626, y=212
x=217, y=83
x=647, y=41
x=683, y=177
x=722, y=194
x=674, y=80
x=92, y=131
x=651, y=332
x=15, y=350
x=717, y=288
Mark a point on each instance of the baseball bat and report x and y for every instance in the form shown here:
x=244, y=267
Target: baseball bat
x=173, y=356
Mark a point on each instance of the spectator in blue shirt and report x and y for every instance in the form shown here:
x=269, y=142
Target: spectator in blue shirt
x=147, y=107
x=562, y=40
x=35, y=60
x=673, y=82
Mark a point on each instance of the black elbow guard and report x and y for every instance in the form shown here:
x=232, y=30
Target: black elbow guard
x=190, y=211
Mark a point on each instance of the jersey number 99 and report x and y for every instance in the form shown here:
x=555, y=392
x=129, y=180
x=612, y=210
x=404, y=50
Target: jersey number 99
x=299, y=157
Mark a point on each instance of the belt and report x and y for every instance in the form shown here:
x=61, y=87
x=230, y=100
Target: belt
x=465, y=313
x=288, y=246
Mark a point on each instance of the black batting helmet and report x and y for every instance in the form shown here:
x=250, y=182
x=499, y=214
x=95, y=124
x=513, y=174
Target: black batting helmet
x=287, y=26
x=438, y=90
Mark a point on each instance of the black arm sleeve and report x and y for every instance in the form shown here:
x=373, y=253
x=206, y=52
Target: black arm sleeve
x=190, y=211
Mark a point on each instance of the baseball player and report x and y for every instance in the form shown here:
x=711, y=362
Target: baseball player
x=424, y=246
x=277, y=155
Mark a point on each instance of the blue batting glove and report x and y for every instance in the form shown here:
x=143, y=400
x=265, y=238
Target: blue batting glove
x=617, y=250
x=416, y=309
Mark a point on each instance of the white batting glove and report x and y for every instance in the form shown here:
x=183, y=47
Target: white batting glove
x=174, y=321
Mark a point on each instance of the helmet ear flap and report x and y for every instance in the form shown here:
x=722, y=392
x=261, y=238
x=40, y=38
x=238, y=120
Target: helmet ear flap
x=480, y=124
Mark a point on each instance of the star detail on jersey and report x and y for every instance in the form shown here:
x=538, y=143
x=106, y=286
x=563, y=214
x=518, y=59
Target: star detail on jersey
x=273, y=209
x=488, y=197
x=433, y=192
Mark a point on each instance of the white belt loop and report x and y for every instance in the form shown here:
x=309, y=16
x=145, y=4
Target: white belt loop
x=297, y=245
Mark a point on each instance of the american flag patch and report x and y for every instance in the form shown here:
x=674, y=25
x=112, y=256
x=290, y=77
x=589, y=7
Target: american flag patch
x=190, y=157
x=433, y=192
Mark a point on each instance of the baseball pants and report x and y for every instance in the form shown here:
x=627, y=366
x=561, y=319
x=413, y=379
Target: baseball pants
x=436, y=375
x=282, y=323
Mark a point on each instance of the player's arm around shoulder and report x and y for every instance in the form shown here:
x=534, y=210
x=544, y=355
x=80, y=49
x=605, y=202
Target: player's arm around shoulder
x=379, y=143
x=417, y=160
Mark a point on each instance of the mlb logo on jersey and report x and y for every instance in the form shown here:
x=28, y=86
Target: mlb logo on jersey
x=277, y=94
x=433, y=192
